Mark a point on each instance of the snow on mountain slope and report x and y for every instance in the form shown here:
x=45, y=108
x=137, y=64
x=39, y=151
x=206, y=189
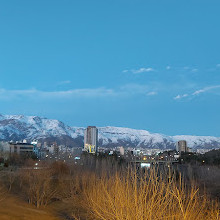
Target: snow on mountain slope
x=18, y=127
x=196, y=141
x=139, y=138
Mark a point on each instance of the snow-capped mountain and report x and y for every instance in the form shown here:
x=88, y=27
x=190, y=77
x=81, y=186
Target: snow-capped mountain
x=19, y=127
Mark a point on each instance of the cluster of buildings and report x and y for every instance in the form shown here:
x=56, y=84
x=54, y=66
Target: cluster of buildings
x=54, y=151
x=20, y=148
x=91, y=146
x=35, y=148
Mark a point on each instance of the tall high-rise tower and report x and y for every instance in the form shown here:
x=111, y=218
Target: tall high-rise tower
x=181, y=146
x=91, y=139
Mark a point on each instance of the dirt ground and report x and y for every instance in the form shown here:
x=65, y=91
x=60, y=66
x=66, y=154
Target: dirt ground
x=12, y=208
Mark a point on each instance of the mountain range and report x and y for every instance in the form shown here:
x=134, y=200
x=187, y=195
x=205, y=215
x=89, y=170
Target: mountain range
x=19, y=127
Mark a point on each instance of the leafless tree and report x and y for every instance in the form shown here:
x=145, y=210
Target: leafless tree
x=38, y=185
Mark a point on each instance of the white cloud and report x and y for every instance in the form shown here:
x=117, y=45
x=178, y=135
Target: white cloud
x=33, y=93
x=125, y=71
x=177, y=97
x=206, y=89
x=132, y=89
x=140, y=70
x=151, y=93
x=181, y=96
x=218, y=65
x=168, y=67
x=191, y=69
x=197, y=92
x=143, y=70
x=125, y=90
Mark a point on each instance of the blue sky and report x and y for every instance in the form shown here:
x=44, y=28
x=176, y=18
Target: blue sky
x=141, y=64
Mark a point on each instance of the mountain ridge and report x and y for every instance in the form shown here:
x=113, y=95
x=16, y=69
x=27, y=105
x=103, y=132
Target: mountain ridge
x=19, y=127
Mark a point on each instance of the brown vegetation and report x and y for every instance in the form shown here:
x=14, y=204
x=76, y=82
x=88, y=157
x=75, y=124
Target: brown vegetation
x=102, y=190
x=148, y=196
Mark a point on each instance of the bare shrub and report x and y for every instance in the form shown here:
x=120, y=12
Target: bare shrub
x=112, y=192
x=59, y=168
x=147, y=196
x=38, y=186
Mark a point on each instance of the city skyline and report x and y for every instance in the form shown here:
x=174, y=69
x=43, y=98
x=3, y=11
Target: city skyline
x=143, y=64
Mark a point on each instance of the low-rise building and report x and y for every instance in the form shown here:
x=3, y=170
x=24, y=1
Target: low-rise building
x=21, y=148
